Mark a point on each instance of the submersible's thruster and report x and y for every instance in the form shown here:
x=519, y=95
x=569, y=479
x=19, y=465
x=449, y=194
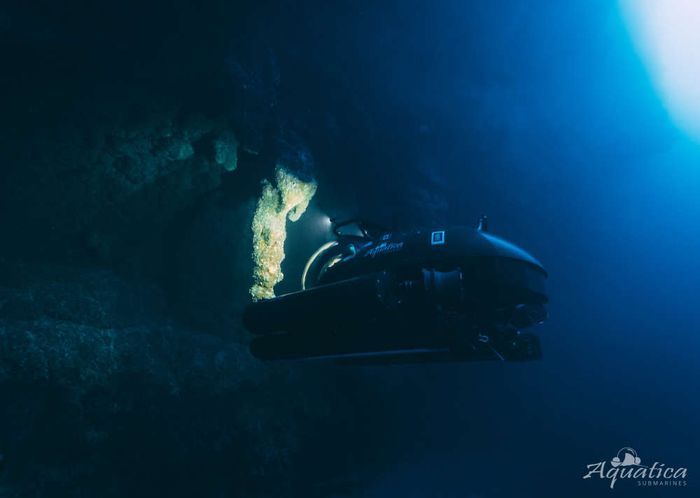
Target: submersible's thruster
x=448, y=294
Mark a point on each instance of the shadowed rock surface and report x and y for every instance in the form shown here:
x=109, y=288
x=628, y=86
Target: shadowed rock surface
x=134, y=144
x=104, y=395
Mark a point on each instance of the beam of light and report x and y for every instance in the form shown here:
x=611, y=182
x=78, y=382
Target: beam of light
x=667, y=33
x=319, y=221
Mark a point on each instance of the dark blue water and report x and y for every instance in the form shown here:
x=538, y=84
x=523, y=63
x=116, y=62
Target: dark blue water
x=555, y=129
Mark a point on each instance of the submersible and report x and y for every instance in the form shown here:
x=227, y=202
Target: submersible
x=374, y=297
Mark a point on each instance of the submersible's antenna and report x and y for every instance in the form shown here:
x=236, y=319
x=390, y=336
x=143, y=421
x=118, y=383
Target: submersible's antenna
x=483, y=223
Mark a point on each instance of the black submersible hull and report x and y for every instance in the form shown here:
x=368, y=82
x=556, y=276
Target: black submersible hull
x=446, y=295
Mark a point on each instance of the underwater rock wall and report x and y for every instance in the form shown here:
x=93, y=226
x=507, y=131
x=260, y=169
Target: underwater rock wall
x=131, y=376
x=124, y=370
x=111, y=175
x=135, y=144
x=104, y=395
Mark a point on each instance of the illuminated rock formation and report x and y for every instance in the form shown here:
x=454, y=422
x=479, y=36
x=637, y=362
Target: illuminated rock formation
x=287, y=199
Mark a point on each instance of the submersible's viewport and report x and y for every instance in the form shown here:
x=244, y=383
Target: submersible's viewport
x=446, y=294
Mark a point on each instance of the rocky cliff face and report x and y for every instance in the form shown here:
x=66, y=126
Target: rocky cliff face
x=104, y=394
x=135, y=142
x=123, y=367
